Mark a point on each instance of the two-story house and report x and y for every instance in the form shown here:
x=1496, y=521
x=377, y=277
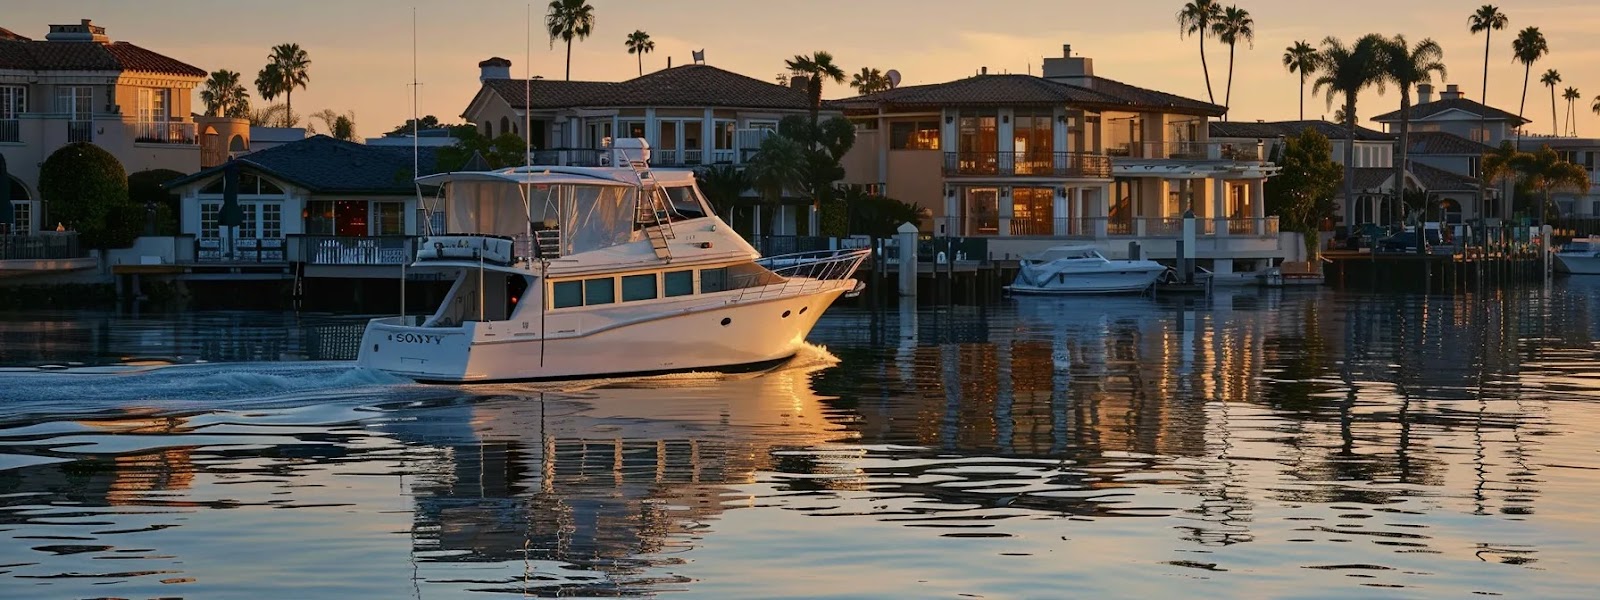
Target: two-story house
x=1029, y=160
x=77, y=85
x=691, y=115
x=1452, y=112
x=1584, y=152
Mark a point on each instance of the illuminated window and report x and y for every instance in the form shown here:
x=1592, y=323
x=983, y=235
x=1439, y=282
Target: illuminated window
x=919, y=135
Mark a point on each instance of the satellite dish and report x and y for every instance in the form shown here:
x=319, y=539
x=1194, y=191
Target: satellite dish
x=894, y=78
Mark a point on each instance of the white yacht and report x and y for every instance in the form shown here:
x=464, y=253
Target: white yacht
x=585, y=272
x=1581, y=256
x=1083, y=270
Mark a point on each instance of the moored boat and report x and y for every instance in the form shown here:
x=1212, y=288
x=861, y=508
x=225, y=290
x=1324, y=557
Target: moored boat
x=1581, y=256
x=1083, y=270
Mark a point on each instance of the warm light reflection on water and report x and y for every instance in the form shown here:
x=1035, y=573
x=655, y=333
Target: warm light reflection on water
x=1263, y=444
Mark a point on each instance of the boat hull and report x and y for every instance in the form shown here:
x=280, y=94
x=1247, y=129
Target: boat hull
x=1091, y=283
x=714, y=336
x=1578, y=264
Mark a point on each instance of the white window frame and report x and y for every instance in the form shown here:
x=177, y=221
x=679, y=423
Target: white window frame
x=75, y=101
x=22, y=210
x=210, y=210
x=13, y=101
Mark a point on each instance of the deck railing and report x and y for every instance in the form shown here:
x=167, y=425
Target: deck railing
x=241, y=250
x=355, y=251
x=800, y=273
x=162, y=132
x=1037, y=164
x=10, y=131
x=47, y=245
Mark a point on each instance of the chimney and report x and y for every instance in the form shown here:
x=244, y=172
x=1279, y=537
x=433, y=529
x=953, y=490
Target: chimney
x=1424, y=93
x=1451, y=92
x=983, y=71
x=1068, y=68
x=494, y=68
x=82, y=31
x=800, y=82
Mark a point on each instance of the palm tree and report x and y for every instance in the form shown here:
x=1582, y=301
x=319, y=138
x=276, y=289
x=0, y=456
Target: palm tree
x=1550, y=78
x=778, y=166
x=224, y=96
x=639, y=43
x=869, y=81
x=1499, y=167
x=273, y=113
x=816, y=67
x=1572, y=96
x=1347, y=71
x=1406, y=66
x=1235, y=25
x=1545, y=171
x=1488, y=19
x=1301, y=58
x=287, y=68
x=568, y=19
x=1527, y=49
x=1596, y=105
x=1197, y=18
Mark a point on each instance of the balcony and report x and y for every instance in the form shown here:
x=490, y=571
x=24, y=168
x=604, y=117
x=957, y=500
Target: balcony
x=356, y=251
x=162, y=132
x=10, y=131
x=1027, y=164
x=80, y=130
x=1107, y=227
x=1196, y=151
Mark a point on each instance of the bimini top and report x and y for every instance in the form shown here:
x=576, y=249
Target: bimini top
x=556, y=175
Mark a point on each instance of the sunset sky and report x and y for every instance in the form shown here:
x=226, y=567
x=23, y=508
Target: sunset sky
x=361, y=49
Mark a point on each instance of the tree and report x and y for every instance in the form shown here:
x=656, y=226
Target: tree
x=1406, y=66
x=1235, y=25
x=1527, y=49
x=86, y=189
x=425, y=123
x=873, y=214
x=639, y=43
x=342, y=127
x=869, y=81
x=1571, y=95
x=224, y=96
x=1197, y=18
x=1301, y=58
x=569, y=19
x=1346, y=71
x=723, y=185
x=1301, y=195
x=1488, y=20
x=1550, y=78
x=1595, y=107
x=1545, y=172
x=823, y=147
x=816, y=67
x=778, y=165
x=288, y=67
x=505, y=151
x=159, y=204
x=273, y=115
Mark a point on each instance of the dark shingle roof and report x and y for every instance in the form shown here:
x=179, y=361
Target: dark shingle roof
x=688, y=85
x=325, y=165
x=1259, y=130
x=1439, y=142
x=1028, y=90
x=1431, y=178
x=28, y=55
x=1425, y=110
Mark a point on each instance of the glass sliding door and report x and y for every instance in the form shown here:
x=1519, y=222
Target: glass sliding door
x=979, y=144
x=981, y=213
x=1033, y=211
x=1032, y=139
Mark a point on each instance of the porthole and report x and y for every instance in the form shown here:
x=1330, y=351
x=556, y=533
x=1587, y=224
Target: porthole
x=786, y=314
x=726, y=321
x=803, y=309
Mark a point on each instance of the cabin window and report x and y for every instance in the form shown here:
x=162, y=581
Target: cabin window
x=566, y=294
x=638, y=287
x=679, y=283
x=713, y=280
x=599, y=291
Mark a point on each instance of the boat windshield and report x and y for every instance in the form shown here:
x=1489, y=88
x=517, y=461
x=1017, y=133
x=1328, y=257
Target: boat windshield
x=1066, y=252
x=589, y=216
x=1578, y=246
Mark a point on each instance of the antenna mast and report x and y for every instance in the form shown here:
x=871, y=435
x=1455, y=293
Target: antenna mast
x=527, y=76
x=415, y=124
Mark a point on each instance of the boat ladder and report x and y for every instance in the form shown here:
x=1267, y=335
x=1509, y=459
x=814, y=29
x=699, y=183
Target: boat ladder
x=652, y=216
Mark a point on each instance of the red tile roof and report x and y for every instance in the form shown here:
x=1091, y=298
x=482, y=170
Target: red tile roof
x=28, y=55
x=686, y=86
x=7, y=34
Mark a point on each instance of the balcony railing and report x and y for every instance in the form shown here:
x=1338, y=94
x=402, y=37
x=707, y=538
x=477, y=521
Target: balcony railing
x=80, y=131
x=1038, y=164
x=10, y=130
x=1188, y=151
x=48, y=245
x=1103, y=227
x=242, y=250
x=341, y=250
x=162, y=132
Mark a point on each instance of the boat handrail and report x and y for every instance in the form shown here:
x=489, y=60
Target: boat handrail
x=803, y=272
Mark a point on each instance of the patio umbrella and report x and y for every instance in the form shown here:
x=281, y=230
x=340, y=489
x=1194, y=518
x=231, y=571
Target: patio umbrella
x=7, y=219
x=231, y=215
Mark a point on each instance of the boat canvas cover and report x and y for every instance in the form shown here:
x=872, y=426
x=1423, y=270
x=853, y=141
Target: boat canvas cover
x=591, y=213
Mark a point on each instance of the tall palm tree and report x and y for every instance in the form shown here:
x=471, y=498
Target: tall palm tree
x=224, y=96
x=1301, y=58
x=815, y=68
x=869, y=81
x=1571, y=95
x=1347, y=71
x=288, y=67
x=1527, y=49
x=1196, y=19
x=1236, y=25
x=1550, y=78
x=1488, y=20
x=640, y=43
x=1406, y=66
x=568, y=19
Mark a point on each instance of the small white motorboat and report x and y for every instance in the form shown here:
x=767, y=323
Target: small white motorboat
x=1083, y=270
x=1581, y=256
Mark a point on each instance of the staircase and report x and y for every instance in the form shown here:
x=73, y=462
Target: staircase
x=651, y=211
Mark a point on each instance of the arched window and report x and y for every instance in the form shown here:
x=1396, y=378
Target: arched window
x=237, y=144
x=505, y=126
x=488, y=130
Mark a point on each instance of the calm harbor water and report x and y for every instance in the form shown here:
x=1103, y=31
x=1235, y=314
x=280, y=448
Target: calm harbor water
x=1297, y=444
